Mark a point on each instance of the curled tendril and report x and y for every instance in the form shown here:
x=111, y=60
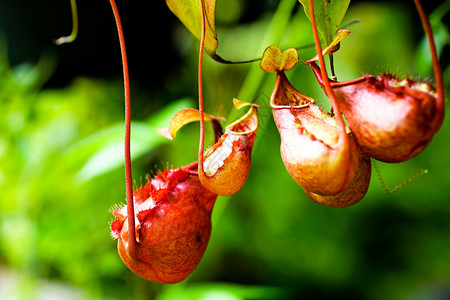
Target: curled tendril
x=73, y=35
x=400, y=186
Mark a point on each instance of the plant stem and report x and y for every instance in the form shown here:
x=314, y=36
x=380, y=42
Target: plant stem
x=200, y=91
x=326, y=81
x=333, y=74
x=132, y=246
x=436, y=67
x=343, y=137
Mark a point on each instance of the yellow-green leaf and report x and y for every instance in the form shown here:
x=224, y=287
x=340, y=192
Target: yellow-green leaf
x=190, y=14
x=274, y=60
x=333, y=46
x=182, y=118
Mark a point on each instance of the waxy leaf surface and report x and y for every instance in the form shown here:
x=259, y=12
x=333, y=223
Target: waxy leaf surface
x=329, y=14
x=190, y=14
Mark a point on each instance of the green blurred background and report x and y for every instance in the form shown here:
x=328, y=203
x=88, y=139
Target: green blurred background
x=61, y=159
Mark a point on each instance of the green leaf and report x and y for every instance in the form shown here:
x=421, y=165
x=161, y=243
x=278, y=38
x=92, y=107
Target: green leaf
x=329, y=14
x=333, y=46
x=190, y=14
x=103, y=151
x=221, y=291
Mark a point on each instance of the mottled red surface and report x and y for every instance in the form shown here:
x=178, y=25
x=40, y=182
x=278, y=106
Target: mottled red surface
x=392, y=120
x=173, y=226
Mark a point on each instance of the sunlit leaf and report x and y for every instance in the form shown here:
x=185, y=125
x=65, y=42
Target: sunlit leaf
x=333, y=46
x=221, y=291
x=103, y=151
x=190, y=14
x=329, y=15
x=111, y=154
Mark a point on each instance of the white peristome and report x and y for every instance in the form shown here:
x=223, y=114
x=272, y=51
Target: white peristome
x=216, y=159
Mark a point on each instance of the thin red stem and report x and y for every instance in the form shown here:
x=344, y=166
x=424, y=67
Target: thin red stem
x=435, y=60
x=318, y=73
x=200, y=91
x=343, y=143
x=132, y=246
x=329, y=91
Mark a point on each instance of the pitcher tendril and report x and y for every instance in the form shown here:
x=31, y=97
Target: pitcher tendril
x=73, y=35
x=127, y=151
x=397, y=187
x=200, y=88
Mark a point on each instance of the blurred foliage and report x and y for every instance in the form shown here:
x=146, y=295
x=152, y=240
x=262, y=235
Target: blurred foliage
x=61, y=171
